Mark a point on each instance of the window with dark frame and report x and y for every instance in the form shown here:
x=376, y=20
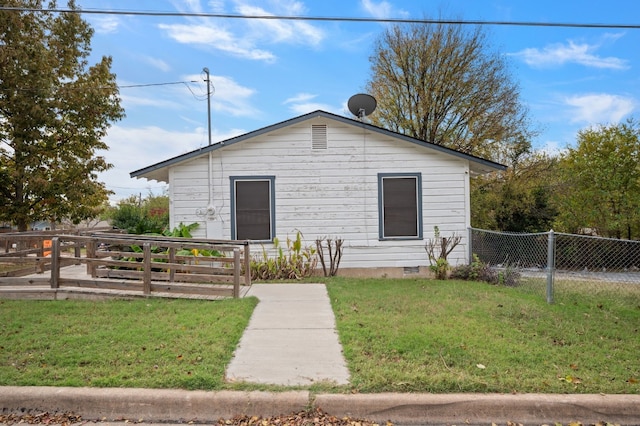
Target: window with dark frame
x=253, y=208
x=400, y=207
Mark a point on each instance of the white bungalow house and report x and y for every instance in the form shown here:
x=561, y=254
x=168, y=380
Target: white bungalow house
x=326, y=176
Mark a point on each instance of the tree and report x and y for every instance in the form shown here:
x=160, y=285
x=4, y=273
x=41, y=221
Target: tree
x=54, y=111
x=519, y=199
x=141, y=216
x=601, y=178
x=444, y=84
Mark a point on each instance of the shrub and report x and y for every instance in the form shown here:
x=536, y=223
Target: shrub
x=476, y=271
x=298, y=262
x=141, y=216
x=480, y=271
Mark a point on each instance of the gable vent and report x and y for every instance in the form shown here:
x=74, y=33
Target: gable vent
x=319, y=136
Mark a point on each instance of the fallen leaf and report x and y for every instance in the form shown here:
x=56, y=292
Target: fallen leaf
x=570, y=379
x=481, y=366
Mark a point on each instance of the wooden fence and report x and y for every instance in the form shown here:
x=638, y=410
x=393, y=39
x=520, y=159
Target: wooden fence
x=179, y=266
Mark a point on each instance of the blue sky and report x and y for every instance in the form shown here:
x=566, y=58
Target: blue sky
x=266, y=71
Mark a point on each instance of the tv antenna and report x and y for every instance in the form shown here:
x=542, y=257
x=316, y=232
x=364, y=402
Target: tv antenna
x=362, y=105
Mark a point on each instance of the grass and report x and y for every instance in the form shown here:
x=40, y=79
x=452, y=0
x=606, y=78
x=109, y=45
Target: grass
x=397, y=335
x=454, y=336
x=150, y=343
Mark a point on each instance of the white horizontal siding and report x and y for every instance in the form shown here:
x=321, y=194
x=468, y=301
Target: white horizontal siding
x=331, y=192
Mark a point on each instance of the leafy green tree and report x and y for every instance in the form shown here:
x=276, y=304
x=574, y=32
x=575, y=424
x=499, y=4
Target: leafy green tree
x=54, y=111
x=519, y=199
x=445, y=84
x=601, y=182
x=142, y=216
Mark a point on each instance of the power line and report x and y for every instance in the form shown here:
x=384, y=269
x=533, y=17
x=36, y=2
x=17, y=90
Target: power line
x=126, y=86
x=129, y=86
x=326, y=18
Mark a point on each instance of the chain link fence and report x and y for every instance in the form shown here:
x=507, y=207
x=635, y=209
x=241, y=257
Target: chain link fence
x=560, y=266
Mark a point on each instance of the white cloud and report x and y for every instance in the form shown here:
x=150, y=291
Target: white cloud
x=242, y=38
x=187, y=5
x=215, y=37
x=382, y=9
x=131, y=101
x=304, y=108
x=600, y=108
x=156, y=63
x=300, y=97
x=105, y=24
x=228, y=96
x=231, y=97
x=301, y=104
x=578, y=53
x=216, y=6
x=280, y=31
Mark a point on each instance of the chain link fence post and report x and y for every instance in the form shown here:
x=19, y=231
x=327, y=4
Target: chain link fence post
x=551, y=264
x=470, y=246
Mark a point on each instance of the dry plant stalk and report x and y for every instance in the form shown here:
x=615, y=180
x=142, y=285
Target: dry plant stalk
x=334, y=248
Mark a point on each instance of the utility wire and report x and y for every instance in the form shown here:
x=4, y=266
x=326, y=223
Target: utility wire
x=325, y=18
x=126, y=86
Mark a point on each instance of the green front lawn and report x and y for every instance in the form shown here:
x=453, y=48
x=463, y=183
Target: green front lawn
x=155, y=343
x=457, y=336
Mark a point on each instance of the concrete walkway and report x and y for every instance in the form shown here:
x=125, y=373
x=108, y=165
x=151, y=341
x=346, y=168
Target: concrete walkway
x=291, y=338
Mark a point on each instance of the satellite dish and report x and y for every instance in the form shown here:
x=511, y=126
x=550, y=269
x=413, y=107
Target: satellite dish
x=362, y=105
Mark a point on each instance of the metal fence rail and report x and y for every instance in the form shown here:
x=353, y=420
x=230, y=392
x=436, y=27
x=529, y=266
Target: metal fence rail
x=559, y=265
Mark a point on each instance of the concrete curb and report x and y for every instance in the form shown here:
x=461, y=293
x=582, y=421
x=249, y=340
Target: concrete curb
x=179, y=406
x=149, y=405
x=484, y=409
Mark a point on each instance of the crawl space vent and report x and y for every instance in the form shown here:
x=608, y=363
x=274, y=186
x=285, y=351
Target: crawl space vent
x=411, y=270
x=319, y=136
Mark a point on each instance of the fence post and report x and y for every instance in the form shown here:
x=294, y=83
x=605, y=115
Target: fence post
x=146, y=280
x=551, y=264
x=236, y=273
x=55, y=262
x=91, y=254
x=470, y=246
x=247, y=264
x=172, y=260
x=77, y=252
